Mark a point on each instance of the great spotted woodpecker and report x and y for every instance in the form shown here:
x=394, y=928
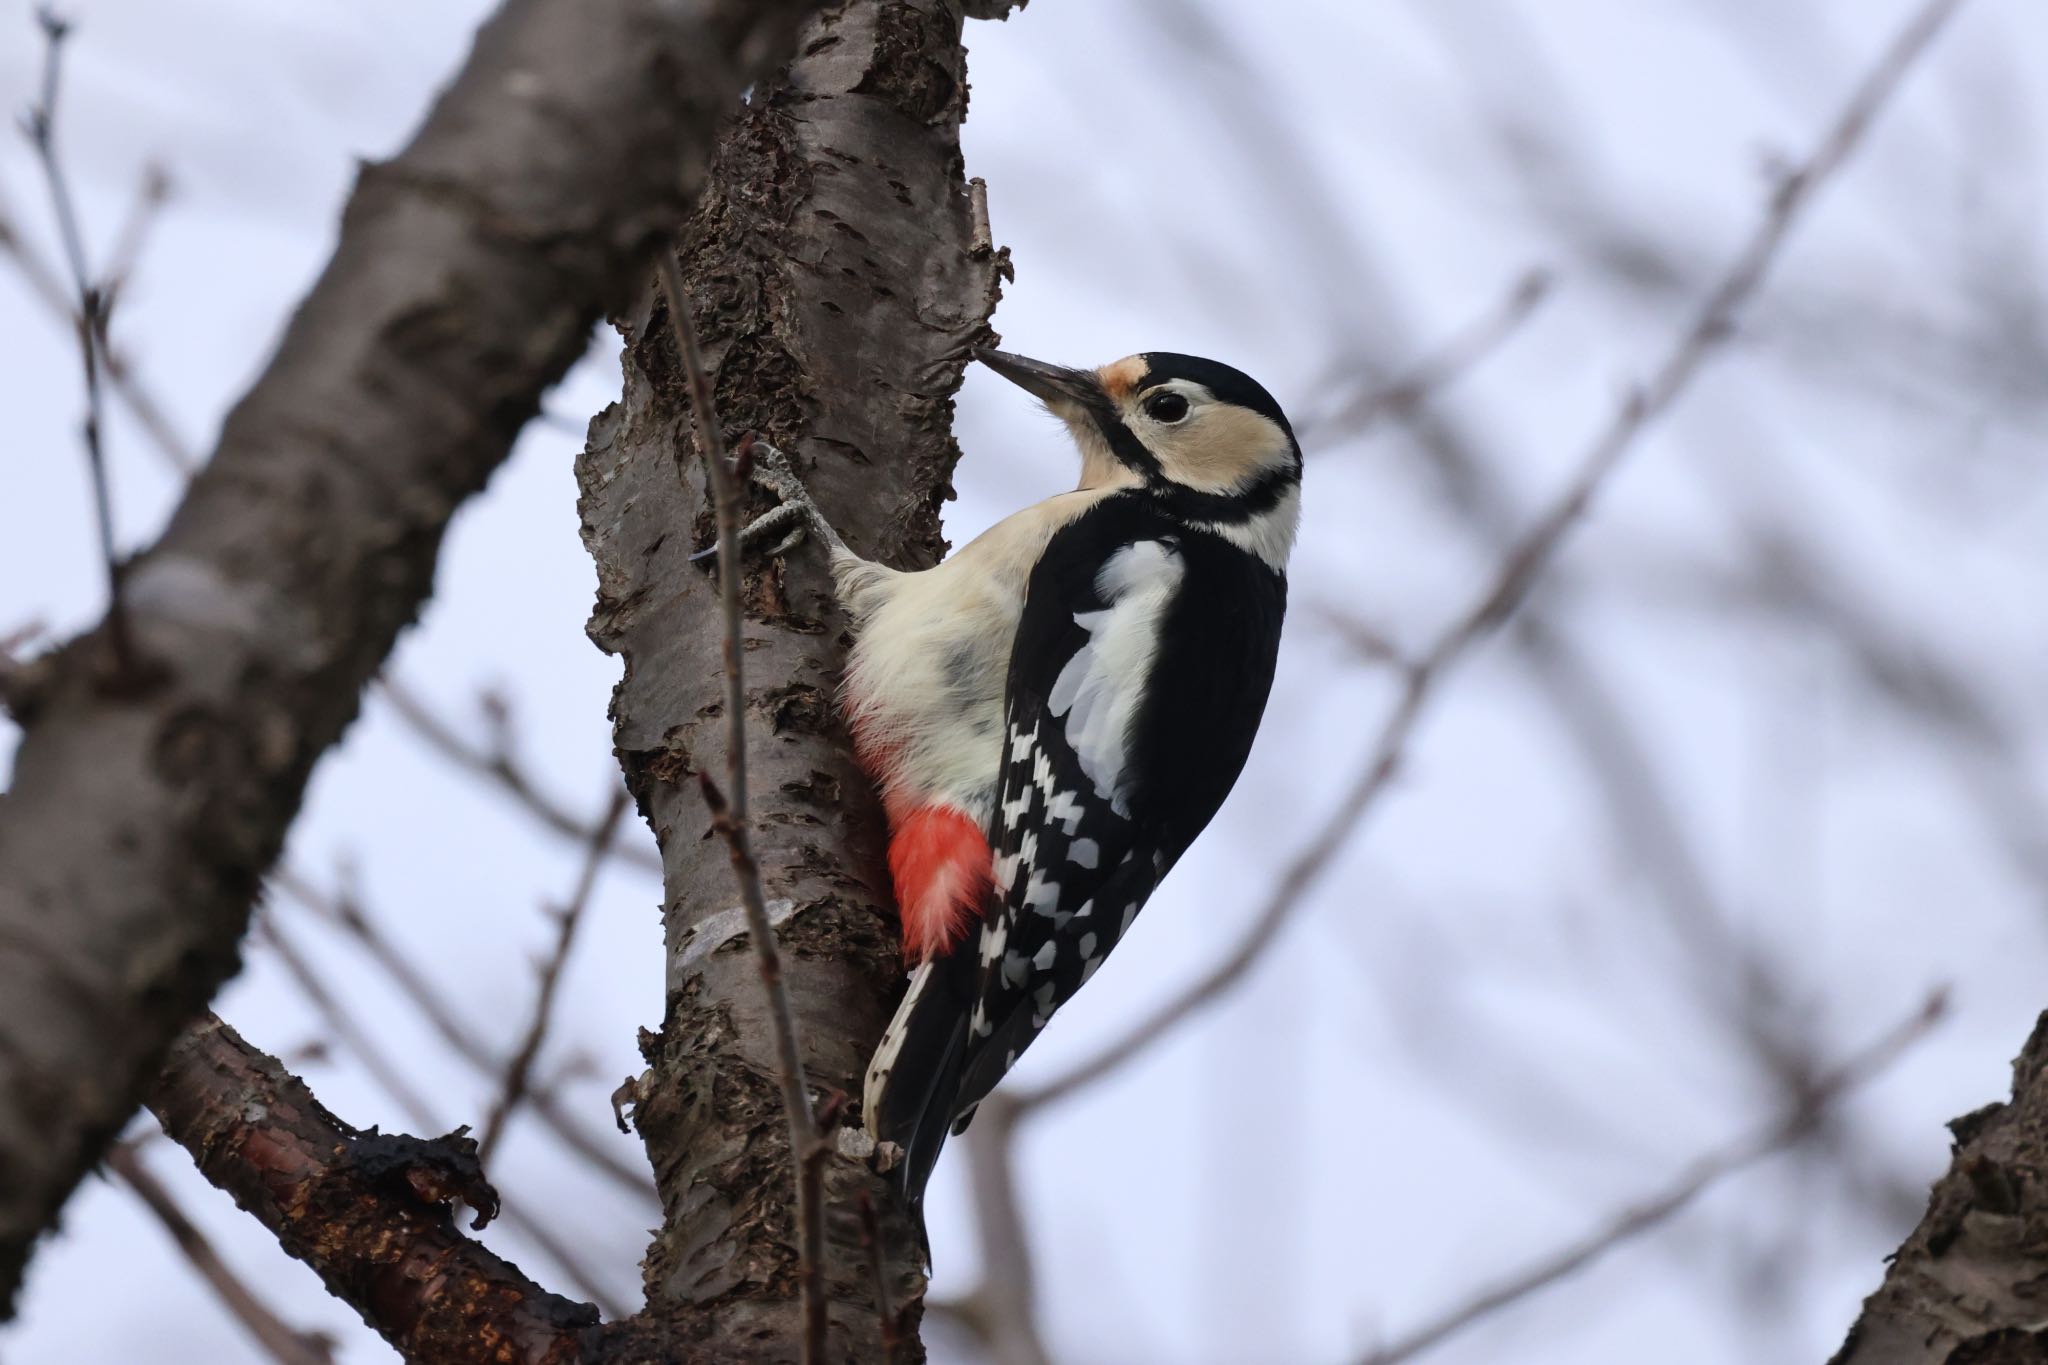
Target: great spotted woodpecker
x=1055, y=712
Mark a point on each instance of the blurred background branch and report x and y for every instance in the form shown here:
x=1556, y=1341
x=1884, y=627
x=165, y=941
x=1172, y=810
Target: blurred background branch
x=1795, y=1125
x=1528, y=556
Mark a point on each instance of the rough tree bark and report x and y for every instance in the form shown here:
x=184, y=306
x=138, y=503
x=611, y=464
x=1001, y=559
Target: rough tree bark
x=837, y=279
x=145, y=807
x=370, y=1214
x=1970, y=1285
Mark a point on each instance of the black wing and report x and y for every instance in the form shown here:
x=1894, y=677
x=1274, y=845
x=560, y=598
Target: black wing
x=1139, y=675
x=1139, y=672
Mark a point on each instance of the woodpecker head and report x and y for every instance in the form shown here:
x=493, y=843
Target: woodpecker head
x=1205, y=438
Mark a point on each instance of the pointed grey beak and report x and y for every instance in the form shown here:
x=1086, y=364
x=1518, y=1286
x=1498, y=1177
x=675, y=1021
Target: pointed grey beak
x=1052, y=384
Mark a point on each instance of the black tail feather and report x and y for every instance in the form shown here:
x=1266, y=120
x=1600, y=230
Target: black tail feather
x=914, y=1106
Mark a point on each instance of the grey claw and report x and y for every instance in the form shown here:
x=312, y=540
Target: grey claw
x=797, y=511
x=772, y=470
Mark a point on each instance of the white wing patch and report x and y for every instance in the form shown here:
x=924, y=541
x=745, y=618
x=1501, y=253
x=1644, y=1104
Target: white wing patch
x=1099, y=690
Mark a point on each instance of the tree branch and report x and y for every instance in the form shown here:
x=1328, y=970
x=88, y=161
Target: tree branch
x=391, y=1078
x=469, y=272
x=496, y=763
x=1964, y=1287
x=369, y=1214
x=1002, y=1308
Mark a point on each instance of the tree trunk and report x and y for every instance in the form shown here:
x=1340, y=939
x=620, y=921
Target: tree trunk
x=837, y=279
x=1967, y=1286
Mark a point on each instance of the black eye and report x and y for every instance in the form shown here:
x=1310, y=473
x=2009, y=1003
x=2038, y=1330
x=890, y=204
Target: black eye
x=1166, y=407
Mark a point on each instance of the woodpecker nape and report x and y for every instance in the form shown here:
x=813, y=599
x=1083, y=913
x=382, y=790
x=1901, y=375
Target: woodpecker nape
x=1055, y=712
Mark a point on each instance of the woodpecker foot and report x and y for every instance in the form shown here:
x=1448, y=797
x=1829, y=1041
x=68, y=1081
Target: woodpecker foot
x=798, y=515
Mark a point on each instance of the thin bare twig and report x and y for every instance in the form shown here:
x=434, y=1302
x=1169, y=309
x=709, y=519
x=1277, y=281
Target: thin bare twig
x=729, y=818
x=500, y=764
x=92, y=307
x=885, y=1312
x=45, y=283
x=516, y=1089
x=1529, y=555
x=151, y=195
x=284, y=1343
x=1798, y=1120
x=344, y=1025
x=1369, y=402
x=346, y=911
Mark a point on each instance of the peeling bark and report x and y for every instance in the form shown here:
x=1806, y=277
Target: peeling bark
x=1970, y=1285
x=146, y=804
x=836, y=284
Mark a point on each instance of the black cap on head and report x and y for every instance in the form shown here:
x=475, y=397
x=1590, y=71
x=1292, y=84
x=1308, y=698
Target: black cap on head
x=1230, y=385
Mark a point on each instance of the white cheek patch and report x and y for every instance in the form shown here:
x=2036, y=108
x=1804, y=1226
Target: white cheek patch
x=1269, y=534
x=1099, y=690
x=1221, y=449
